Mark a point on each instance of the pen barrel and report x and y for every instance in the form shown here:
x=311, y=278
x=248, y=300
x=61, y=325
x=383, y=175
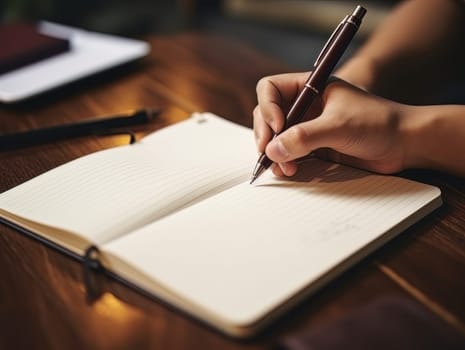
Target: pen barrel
x=333, y=53
x=79, y=129
x=39, y=136
x=325, y=63
x=300, y=107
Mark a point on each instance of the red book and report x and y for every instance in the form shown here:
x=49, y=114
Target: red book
x=22, y=44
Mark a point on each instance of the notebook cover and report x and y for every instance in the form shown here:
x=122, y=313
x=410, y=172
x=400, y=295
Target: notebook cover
x=22, y=44
x=390, y=322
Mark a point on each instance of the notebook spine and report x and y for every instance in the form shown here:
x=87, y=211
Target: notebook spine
x=90, y=261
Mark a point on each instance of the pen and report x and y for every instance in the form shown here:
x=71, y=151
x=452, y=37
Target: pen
x=81, y=128
x=324, y=65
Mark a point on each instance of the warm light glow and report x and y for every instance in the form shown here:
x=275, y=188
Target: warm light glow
x=110, y=306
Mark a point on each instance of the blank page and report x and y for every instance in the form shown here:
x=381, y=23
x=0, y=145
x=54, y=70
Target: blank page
x=109, y=193
x=245, y=251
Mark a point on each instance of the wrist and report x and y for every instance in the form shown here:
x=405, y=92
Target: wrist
x=418, y=134
x=358, y=71
x=434, y=137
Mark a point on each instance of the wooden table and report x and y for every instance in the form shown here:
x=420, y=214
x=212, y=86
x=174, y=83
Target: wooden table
x=42, y=298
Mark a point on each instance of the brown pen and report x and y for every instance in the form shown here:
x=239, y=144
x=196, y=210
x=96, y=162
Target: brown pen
x=322, y=69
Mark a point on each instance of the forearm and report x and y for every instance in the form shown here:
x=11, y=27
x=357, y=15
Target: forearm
x=434, y=138
x=413, y=52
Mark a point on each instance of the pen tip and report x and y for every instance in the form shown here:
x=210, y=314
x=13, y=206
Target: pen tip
x=253, y=179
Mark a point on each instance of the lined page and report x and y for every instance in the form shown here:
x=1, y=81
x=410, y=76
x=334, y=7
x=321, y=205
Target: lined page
x=109, y=193
x=245, y=251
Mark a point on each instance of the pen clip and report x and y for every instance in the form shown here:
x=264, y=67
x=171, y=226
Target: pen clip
x=330, y=40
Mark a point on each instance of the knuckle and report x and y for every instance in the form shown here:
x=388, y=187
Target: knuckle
x=256, y=112
x=261, y=83
x=268, y=118
x=298, y=134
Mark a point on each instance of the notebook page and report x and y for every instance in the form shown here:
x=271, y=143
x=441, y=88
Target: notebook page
x=245, y=251
x=111, y=192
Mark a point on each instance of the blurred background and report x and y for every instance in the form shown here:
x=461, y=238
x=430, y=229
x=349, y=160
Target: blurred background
x=290, y=30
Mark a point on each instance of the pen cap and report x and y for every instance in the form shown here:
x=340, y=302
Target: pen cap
x=358, y=14
x=335, y=47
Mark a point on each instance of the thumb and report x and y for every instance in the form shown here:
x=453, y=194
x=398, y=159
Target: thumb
x=301, y=139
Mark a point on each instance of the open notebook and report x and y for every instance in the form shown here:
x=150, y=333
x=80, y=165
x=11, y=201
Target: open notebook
x=175, y=215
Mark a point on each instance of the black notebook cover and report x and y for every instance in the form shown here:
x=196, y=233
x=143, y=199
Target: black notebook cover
x=23, y=44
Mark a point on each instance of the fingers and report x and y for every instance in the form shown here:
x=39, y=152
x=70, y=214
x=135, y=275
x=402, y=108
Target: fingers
x=302, y=139
x=331, y=126
x=262, y=131
x=275, y=95
x=287, y=168
x=270, y=103
x=354, y=127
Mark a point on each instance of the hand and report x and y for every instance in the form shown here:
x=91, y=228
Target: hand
x=346, y=125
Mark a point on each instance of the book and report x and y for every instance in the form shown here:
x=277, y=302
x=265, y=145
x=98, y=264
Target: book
x=175, y=216
x=23, y=44
x=89, y=53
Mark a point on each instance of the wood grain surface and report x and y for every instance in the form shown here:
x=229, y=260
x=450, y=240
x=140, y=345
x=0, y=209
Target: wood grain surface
x=43, y=303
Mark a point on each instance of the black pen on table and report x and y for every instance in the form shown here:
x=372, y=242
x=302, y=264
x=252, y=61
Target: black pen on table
x=95, y=126
x=322, y=69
